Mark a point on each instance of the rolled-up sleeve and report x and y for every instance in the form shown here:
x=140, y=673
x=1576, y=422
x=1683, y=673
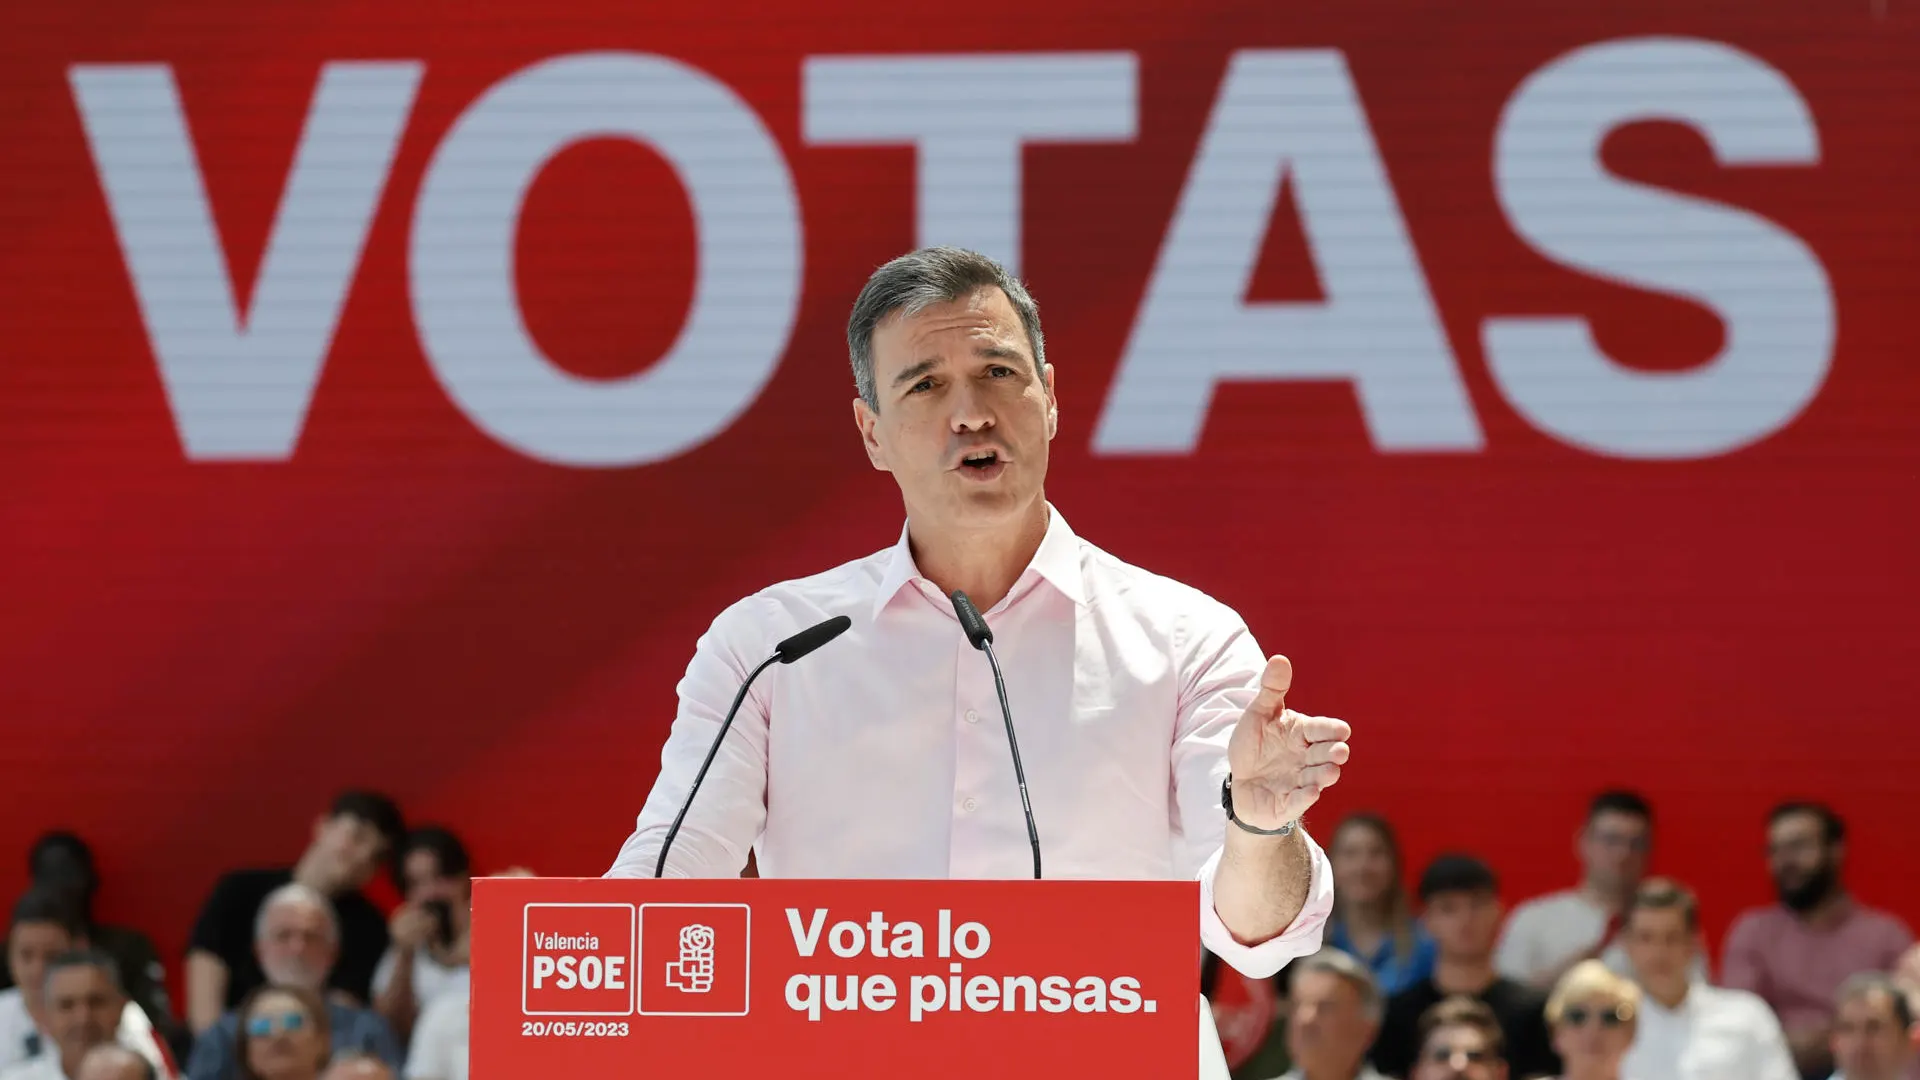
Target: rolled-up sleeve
x=731, y=810
x=1220, y=666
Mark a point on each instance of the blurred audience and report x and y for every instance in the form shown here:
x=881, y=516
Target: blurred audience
x=1593, y=1013
x=46, y=925
x=1547, y=935
x=428, y=957
x=84, y=1002
x=1461, y=898
x=297, y=941
x=1797, y=953
x=1875, y=1036
x=111, y=1061
x=1372, y=919
x=1460, y=1039
x=439, y=1047
x=1335, y=1015
x=348, y=846
x=62, y=863
x=1688, y=1030
x=283, y=1033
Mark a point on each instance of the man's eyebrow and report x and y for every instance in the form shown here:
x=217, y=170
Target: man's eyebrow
x=1002, y=352
x=913, y=373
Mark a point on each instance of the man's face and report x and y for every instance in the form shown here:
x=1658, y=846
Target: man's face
x=954, y=381
x=30, y=947
x=1613, y=849
x=1458, y=1052
x=83, y=1010
x=296, y=946
x=1804, y=866
x=1463, y=924
x=1868, y=1042
x=351, y=847
x=1659, y=945
x=1328, y=1030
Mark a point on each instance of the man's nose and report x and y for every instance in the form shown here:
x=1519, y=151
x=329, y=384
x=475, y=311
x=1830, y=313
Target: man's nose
x=970, y=412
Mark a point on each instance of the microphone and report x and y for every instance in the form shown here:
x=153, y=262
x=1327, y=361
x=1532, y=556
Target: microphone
x=786, y=652
x=980, y=636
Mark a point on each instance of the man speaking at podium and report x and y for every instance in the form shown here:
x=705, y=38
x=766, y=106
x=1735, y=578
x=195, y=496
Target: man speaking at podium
x=1135, y=699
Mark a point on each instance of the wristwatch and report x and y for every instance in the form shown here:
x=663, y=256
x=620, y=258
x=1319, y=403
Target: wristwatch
x=1226, y=800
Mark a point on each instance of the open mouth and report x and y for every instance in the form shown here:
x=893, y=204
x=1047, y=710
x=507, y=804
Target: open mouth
x=983, y=464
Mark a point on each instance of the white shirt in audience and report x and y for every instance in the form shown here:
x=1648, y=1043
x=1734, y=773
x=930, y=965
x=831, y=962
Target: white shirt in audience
x=1545, y=932
x=430, y=977
x=1715, y=1034
x=439, y=1047
x=44, y=1067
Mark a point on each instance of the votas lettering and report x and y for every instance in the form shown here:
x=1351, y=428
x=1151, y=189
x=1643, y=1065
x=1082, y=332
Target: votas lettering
x=240, y=380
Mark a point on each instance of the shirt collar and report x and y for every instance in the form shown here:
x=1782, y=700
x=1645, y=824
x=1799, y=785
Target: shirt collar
x=1057, y=562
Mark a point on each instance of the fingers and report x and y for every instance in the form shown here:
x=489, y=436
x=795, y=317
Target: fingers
x=1327, y=753
x=1319, y=778
x=1319, y=729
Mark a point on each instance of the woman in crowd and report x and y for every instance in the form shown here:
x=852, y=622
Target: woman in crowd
x=1593, y=1014
x=283, y=1035
x=1372, y=919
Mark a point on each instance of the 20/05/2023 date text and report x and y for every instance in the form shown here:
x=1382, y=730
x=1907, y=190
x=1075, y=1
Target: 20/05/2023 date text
x=570, y=1029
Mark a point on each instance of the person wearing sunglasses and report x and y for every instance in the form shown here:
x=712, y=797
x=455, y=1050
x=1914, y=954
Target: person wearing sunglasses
x=1593, y=1014
x=284, y=1035
x=1460, y=1039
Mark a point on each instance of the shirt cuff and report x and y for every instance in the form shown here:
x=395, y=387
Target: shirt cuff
x=1302, y=938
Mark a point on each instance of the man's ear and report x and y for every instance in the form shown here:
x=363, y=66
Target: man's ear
x=1053, y=402
x=865, y=419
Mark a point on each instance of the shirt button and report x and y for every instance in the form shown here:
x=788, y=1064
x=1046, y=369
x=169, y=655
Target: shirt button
x=970, y=806
x=972, y=717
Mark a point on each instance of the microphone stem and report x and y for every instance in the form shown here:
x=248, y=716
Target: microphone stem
x=661, y=864
x=1013, y=744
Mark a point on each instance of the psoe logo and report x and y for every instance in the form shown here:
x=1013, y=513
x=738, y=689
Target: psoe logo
x=577, y=960
x=695, y=959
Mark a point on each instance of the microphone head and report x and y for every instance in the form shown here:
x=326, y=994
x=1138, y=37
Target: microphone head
x=811, y=638
x=971, y=621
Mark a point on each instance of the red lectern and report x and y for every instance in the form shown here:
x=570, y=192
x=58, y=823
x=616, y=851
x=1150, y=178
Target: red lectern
x=590, y=978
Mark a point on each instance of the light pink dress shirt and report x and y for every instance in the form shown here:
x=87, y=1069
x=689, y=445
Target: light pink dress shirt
x=884, y=755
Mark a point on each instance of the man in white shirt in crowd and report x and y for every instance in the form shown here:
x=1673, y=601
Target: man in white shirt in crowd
x=112, y=1061
x=430, y=930
x=1154, y=733
x=1546, y=936
x=83, y=1003
x=1335, y=1015
x=1874, y=1033
x=1689, y=1030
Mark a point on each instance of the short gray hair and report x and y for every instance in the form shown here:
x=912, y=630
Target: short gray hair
x=83, y=958
x=294, y=894
x=915, y=282
x=1335, y=962
x=1868, y=983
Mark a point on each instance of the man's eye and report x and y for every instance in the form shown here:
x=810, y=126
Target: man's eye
x=923, y=384
x=998, y=370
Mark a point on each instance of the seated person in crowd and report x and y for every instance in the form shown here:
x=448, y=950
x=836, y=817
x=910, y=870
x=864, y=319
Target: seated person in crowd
x=111, y=1061
x=46, y=925
x=348, y=846
x=1460, y=1039
x=1593, y=1013
x=282, y=1033
x=296, y=943
x=1549, y=934
x=84, y=1002
x=1795, y=954
x=439, y=1047
x=428, y=957
x=1461, y=897
x=1371, y=917
x=1688, y=1030
x=1875, y=1034
x=1335, y=1015
x=62, y=863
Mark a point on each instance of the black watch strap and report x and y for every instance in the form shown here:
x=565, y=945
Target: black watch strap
x=1226, y=801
